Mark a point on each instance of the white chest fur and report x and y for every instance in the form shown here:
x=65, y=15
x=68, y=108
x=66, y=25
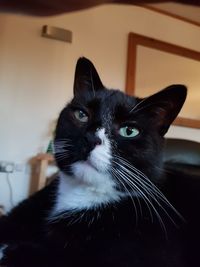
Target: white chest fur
x=76, y=194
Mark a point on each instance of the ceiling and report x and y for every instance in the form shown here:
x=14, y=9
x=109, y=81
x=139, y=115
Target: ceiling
x=187, y=12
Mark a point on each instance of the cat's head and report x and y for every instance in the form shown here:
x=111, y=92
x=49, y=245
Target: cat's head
x=105, y=136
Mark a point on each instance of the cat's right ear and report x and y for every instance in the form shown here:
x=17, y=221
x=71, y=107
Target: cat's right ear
x=86, y=78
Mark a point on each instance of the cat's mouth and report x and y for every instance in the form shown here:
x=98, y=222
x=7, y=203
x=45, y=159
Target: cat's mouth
x=92, y=167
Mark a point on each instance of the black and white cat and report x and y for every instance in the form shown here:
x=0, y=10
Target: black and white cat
x=112, y=204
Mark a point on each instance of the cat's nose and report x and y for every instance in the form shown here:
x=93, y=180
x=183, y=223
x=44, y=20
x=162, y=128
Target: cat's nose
x=93, y=140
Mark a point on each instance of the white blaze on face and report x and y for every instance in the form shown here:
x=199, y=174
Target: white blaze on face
x=91, y=183
x=97, y=163
x=100, y=156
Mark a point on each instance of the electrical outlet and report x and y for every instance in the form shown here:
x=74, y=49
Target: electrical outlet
x=6, y=166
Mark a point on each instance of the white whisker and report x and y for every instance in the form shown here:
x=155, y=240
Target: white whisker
x=150, y=185
x=148, y=203
x=128, y=192
x=141, y=185
x=135, y=189
x=136, y=109
x=149, y=192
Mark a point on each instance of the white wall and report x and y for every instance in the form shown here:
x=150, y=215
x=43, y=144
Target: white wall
x=36, y=74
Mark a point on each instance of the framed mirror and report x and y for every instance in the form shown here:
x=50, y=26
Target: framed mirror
x=153, y=65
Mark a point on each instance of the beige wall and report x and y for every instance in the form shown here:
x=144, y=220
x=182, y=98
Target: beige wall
x=157, y=69
x=36, y=74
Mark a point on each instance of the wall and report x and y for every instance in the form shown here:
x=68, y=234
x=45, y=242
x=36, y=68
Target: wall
x=157, y=69
x=36, y=74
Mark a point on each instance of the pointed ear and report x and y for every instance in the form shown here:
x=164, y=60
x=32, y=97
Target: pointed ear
x=86, y=77
x=164, y=106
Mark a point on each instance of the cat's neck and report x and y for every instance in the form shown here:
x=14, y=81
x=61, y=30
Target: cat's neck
x=76, y=194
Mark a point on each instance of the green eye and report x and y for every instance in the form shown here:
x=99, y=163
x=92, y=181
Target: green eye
x=128, y=131
x=81, y=116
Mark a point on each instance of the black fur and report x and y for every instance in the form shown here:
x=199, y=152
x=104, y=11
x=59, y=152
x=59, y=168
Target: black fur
x=123, y=233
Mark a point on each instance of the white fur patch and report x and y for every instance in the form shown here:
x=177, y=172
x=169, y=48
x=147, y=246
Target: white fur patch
x=76, y=194
x=100, y=156
x=91, y=184
x=2, y=249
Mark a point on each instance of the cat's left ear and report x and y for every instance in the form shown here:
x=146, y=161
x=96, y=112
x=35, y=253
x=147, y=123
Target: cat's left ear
x=86, y=77
x=164, y=106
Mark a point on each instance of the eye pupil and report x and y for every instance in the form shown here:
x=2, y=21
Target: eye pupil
x=80, y=115
x=129, y=130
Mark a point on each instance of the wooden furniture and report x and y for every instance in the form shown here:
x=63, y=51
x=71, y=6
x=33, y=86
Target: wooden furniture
x=39, y=165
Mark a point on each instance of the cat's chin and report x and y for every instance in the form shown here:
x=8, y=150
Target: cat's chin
x=92, y=175
x=89, y=164
x=87, y=171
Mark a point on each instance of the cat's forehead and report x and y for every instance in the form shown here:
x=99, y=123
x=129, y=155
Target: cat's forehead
x=112, y=101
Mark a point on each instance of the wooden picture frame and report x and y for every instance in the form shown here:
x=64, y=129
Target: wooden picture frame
x=136, y=40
